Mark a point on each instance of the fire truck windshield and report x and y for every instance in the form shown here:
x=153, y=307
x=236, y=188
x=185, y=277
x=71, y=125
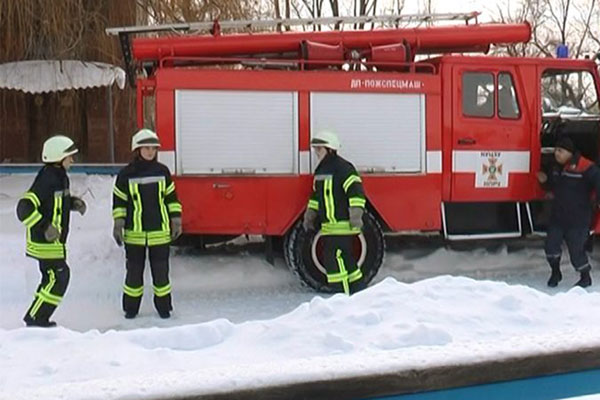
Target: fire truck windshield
x=569, y=93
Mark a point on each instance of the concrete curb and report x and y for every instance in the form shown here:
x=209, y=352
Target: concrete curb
x=422, y=380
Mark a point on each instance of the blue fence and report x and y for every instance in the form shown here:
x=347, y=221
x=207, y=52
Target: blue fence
x=560, y=386
x=96, y=169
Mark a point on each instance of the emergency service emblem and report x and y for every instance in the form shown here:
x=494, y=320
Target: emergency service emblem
x=491, y=174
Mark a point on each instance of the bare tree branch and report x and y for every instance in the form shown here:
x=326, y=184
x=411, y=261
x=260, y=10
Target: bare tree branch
x=277, y=13
x=560, y=17
x=587, y=28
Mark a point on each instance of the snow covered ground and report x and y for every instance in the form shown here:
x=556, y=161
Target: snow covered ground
x=239, y=322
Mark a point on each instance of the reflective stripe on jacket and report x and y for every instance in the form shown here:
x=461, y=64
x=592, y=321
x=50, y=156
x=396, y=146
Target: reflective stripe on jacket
x=144, y=195
x=336, y=187
x=48, y=201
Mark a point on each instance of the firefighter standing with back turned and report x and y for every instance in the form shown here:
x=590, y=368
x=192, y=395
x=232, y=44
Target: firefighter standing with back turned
x=572, y=182
x=147, y=217
x=338, y=200
x=45, y=210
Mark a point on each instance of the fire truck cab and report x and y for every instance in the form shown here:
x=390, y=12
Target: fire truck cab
x=448, y=145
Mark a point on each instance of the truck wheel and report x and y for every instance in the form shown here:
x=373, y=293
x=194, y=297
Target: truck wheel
x=303, y=253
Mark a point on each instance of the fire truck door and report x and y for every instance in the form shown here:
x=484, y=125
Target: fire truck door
x=490, y=136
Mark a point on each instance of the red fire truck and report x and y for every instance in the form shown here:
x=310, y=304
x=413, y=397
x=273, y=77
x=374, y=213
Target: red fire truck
x=446, y=143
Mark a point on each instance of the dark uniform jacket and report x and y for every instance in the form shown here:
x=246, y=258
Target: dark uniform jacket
x=48, y=201
x=572, y=186
x=336, y=187
x=144, y=195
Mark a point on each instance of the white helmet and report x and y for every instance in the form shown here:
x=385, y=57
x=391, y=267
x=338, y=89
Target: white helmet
x=144, y=137
x=57, y=148
x=326, y=138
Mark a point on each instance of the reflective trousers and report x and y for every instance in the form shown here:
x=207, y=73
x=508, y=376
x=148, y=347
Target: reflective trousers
x=49, y=294
x=340, y=263
x=134, y=280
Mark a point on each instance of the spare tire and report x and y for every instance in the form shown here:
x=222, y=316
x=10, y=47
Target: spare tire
x=303, y=254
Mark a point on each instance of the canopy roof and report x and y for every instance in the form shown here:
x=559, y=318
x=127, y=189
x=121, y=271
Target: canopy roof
x=39, y=76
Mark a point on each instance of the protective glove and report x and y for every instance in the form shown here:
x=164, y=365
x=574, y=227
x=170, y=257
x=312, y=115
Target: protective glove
x=78, y=205
x=310, y=216
x=542, y=177
x=175, y=227
x=51, y=233
x=118, y=226
x=356, y=214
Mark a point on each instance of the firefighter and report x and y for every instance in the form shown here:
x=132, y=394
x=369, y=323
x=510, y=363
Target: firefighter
x=45, y=210
x=338, y=201
x=572, y=181
x=147, y=217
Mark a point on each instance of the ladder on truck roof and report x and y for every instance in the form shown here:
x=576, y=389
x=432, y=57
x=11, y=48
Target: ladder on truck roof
x=216, y=27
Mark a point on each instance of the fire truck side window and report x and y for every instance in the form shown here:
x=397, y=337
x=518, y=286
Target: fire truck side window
x=508, y=107
x=570, y=107
x=478, y=94
x=569, y=93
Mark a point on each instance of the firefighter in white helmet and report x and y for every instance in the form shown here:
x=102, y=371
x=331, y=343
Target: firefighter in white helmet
x=45, y=210
x=147, y=217
x=338, y=201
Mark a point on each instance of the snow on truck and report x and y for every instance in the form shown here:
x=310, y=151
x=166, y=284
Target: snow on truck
x=447, y=144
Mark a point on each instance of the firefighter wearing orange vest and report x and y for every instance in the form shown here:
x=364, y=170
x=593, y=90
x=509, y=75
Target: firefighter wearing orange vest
x=147, y=217
x=45, y=210
x=338, y=201
x=572, y=181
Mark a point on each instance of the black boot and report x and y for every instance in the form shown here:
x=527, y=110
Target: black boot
x=130, y=315
x=30, y=322
x=164, y=314
x=585, y=279
x=556, y=275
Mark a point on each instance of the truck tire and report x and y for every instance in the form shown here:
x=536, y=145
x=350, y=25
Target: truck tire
x=302, y=251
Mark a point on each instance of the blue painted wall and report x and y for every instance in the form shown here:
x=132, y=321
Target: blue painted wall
x=542, y=388
x=96, y=169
